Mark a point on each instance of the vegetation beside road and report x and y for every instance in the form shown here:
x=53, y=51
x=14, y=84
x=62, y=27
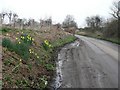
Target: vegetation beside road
x=27, y=56
x=99, y=35
x=100, y=28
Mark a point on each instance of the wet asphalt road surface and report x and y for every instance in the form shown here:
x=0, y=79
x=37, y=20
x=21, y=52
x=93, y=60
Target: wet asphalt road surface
x=88, y=63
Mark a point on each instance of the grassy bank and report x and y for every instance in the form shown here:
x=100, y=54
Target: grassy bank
x=28, y=56
x=61, y=42
x=100, y=36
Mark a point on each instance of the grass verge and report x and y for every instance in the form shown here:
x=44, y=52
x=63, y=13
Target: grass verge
x=61, y=42
x=39, y=48
x=101, y=37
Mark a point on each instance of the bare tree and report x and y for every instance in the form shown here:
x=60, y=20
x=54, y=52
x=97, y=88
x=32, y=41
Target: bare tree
x=111, y=29
x=10, y=17
x=98, y=21
x=15, y=16
x=2, y=16
x=88, y=21
x=116, y=10
x=116, y=14
x=19, y=21
x=31, y=23
x=69, y=22
x=94, y=22
x=0, y=19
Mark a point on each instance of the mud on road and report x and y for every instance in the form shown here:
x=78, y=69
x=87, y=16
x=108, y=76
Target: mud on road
x=84, y=64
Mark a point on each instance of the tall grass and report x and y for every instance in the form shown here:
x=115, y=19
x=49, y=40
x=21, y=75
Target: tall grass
x=6, y=42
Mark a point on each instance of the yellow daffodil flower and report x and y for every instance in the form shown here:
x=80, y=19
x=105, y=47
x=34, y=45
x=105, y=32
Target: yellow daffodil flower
x=29, y=38
x=20, y=60
x=46, y=82
x=19, y=42
x=46, y=42
x=37, y=56
x=35, y=53
x=50, y=45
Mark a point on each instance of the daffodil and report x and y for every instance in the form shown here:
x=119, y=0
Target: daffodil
x=30, y=38
x=16, y=38
x=20, y=60
x=37, y=56
x=33, y=39
x=19, y=42
x=30, y=50
x=27, y=36
x=46, y=82
x=35, y=53
x=46, y=42
x=50, y=45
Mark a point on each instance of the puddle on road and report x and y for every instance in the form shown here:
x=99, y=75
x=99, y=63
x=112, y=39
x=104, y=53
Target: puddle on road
x=58, y=78
x=75, y=44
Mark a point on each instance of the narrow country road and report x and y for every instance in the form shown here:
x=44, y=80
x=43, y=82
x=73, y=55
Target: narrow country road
x=88, y=63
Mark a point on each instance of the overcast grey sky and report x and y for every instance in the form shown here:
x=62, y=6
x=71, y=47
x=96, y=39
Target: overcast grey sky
x=58, y=9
